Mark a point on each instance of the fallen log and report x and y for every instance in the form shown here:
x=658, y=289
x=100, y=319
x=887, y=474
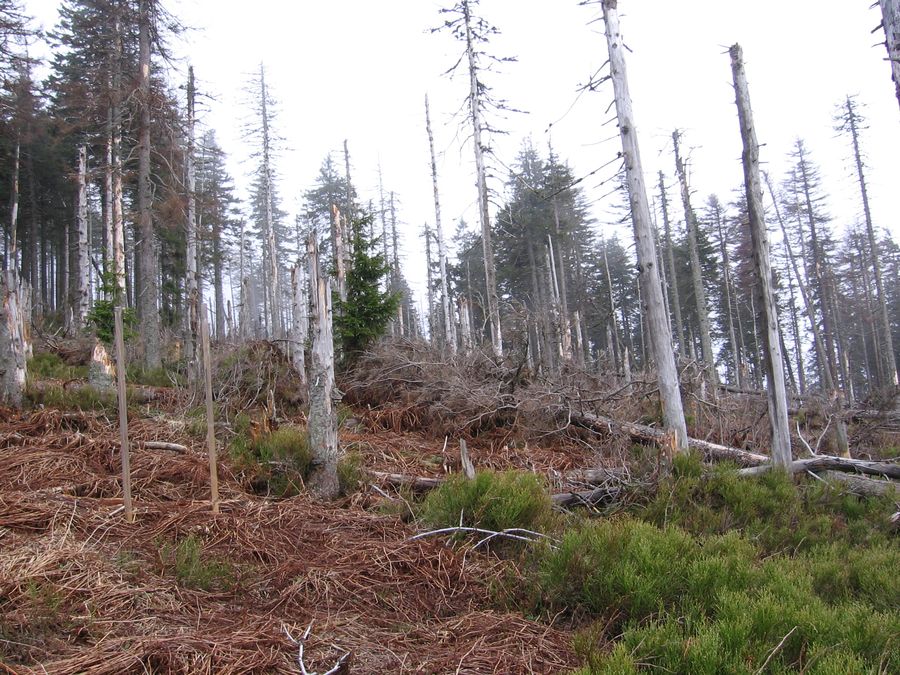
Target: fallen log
x=827, y=462
x=162, y=445
x=644, y=434
x=415, y=483
x=862, y=485
x=600, y=495
x=425, y=483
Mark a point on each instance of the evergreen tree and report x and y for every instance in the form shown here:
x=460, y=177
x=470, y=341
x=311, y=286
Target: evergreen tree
x=364, y=317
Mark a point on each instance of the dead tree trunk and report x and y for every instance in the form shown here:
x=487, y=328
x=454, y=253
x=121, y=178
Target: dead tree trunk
x=12, y=340
x=670, y=263
x=851, y=119
x=273, y=291
x=490, y=275
x=83, y=289
x=300, y=320
x=448, y=336
x=777, y=394
x=194, y=300
x=657, y=316
x=890, y=21
x=323, y=438
x=690, y=223
x=148, y=293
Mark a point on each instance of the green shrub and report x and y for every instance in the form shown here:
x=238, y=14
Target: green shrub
x=50, y=365
x=154, y=377
x=83, y=397
x=278, y=462
x=351, y=472
x=664, y=601
x=194, y=570
x=771, y=509
x=493, y=501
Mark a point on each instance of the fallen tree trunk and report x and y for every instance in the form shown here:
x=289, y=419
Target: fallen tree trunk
x=869, y=487
x=162, y=445
x=600, y=495
x=425, y=483
x=827, y=462
x=644, y=434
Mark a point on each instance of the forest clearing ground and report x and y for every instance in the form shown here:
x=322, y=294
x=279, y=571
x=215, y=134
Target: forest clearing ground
x=182, y=590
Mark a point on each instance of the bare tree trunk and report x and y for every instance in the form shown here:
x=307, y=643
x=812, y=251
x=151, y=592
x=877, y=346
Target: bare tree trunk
x=661, y=335
x=690, y=221
x=300, y=320
x=429, y=280
x=194, y=300
x=852, y=119
x=670, y=263
x=449, y=336
x=490, y=276
x=395, y=269
x=83, y=290
x=339, y=246
x=777, y=395
x=562, y=319
x=323, y=438
x=149, y=292
x=11, y=262
x=12, y=341
x=890, y=15
x=273, y=292
x=729, y=307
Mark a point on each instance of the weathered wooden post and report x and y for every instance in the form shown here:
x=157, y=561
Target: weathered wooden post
x=323, y=435
x=654, y=307
x=210, y=418
x=772, y=358
x=121, y=393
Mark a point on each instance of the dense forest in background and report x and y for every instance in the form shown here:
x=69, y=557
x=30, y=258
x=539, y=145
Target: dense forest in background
x=153, y=209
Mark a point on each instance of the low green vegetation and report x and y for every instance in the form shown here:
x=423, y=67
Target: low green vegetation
x=492, y=500
x=50, y=365
x=351, y=472
x=194, y=569
x=82, y=397
x=154, y=377
x=278, y=462
x=721, y=574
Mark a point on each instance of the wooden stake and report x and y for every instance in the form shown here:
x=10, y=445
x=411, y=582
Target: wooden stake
x=210, y=421
x=123, y=414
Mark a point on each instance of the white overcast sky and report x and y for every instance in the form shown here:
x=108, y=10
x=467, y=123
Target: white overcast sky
x=359, y=70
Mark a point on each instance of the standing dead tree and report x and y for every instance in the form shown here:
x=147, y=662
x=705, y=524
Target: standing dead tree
x=323, y=436
x=651, y=286
x=890, y=21
x=772, y=358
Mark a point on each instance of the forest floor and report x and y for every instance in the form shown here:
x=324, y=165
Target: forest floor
x=705, y=572
x=185, y=590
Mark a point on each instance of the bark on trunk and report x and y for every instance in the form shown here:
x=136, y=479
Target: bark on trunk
x=273, y=292
x=323, y=437
x=890, y=362
x=194, y=300
x=661, y=336
x=448, y=332
x=890, y=14
x=12, y=343
x=690, y=222
x=300, y=312
x=670, y=263
x=774, y=366
x=83, y=289
x=148, y=293
x=490, y=276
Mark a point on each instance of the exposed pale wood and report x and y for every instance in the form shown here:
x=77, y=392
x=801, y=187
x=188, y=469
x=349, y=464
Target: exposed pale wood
x=655, y=310
x=123, y=415
x=194, y=287
x=82, y=253
x=273, y=288
x=210, y=419
x=101, y=369
x=449, y=326
x=12, y=342
x=827, y=462
x=890, y=15
x=475, y=94
x=691, y=226
x=644, y=434
x=772, y=357
x=323, y=437
x=870, y=487
x=339, y=251
x=670, y=264
x=468, y=467
x=300, y=323
x=162, y=445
